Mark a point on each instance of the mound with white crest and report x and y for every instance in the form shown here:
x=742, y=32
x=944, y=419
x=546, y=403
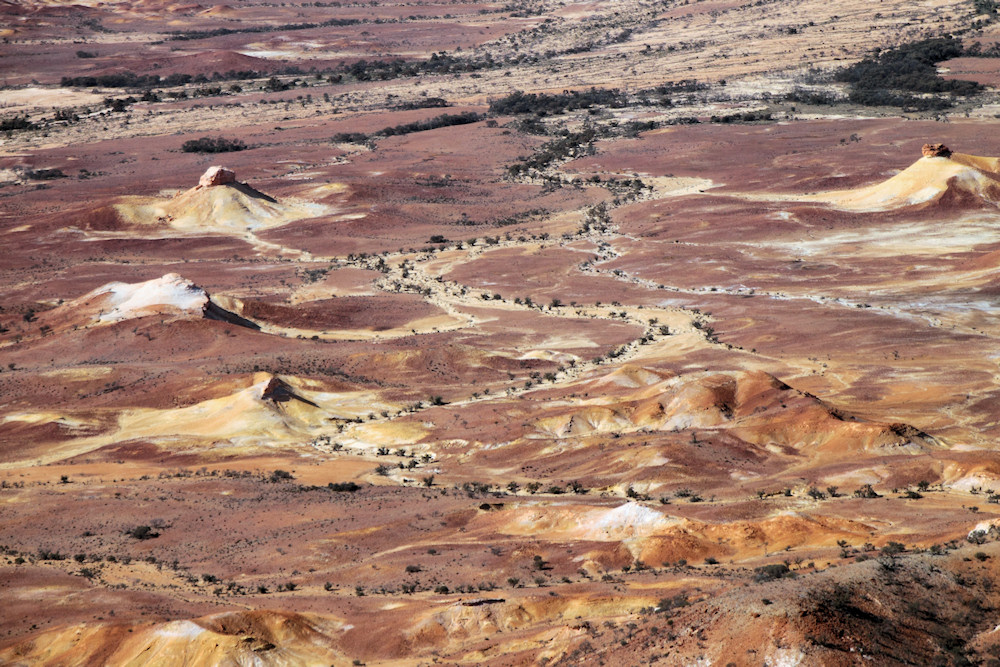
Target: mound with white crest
x=170, y=295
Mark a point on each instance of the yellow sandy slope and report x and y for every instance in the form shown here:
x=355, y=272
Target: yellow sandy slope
x=261, y=638
x=235, y=207
x=928, y=180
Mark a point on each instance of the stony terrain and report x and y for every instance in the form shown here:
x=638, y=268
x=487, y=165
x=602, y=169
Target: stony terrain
x=320, y=344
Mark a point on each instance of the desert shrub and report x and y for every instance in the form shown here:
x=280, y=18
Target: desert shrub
x=816, y=98
x=531, y=125
x=349, y=138
x=119, y=105
x=425, y=103
x=682, y=86
x=44, y=175
x=444, y=120
x=544, y=104
x=744, y=117
x=187, y=35
x=16, y=123
x=816, y=494
x=887, y=98
x=207, y=91
x=866, y=491
x=276, y=85
x=888, y=77
x=85, y=54
x=438, y=63
x=280, y=476
x=990, y=7
x=117, y=80
x=632, y=128
x=675, y=602
x=770, y=572
x=142, y=533
x=343, y=487
x=893, y=548
x=213, y=145
x=574, y=144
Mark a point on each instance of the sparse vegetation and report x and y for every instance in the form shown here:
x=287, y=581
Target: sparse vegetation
x=437, y=122
x=866, y=491
x=15, y=123
x=343, y=487
x=213, y=145
x=142, y=533
x=542, y=104
x=771, y=572
x=890, y=77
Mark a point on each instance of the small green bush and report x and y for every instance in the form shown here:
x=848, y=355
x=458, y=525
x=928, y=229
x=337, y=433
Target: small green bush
x=770, y=572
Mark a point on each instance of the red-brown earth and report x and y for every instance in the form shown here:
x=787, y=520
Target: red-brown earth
x=694, y=393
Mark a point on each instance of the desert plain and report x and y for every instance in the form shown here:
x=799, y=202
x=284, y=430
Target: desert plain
x=506, y=333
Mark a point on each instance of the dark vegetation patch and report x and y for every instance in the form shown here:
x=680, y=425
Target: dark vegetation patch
x=744, y=117
x=814, y=97
x=542, y=104
x=989, y=7
x=891, y=77
x=444, y=120
x=220, y=32
x=213, y=145
x=571, y=145
x=771, y=572
x=44, y=174
x=425, y=103
x=133, y=80
x=16, y=123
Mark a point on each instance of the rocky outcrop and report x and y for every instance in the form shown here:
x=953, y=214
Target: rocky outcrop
x=217, y=176
x=935, y=150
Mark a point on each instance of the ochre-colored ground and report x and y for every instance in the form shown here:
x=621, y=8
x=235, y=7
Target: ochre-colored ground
x=692, y=393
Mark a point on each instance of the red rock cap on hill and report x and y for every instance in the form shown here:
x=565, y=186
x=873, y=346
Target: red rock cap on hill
x=935, y=150
x=217, y=176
